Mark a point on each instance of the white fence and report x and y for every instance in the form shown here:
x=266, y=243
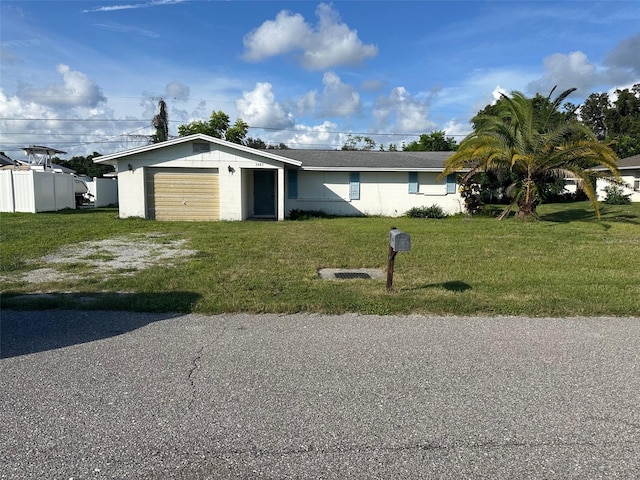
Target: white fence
x=34, y=191
x=104, y=191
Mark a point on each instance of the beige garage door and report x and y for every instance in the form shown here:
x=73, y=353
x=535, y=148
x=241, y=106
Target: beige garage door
x=183, y=194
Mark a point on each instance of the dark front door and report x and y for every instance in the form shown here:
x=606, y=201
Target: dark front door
x=264, y=193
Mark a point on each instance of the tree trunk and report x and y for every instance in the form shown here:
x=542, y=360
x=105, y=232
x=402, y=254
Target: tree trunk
x=526, y=210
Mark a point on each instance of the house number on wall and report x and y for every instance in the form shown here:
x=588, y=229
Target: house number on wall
x=258, y=164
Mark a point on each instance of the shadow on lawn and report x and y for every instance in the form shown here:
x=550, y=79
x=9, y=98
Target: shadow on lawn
x=41, y=322
x=607, y=215
x=452, y=286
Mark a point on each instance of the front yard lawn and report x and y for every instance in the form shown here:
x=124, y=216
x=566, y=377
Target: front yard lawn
x=564, y=264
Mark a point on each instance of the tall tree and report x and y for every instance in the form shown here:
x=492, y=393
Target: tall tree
x=85, y=166
x=358, y=142
x=593, y=113
x=432, y=142
x=535, y=143
x=616, y=122
x=218, y=126
x=161, y=123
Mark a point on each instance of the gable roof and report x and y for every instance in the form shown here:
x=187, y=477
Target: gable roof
x=363, y=160
x=114, y=157
x=629, y=162
x=334, y=160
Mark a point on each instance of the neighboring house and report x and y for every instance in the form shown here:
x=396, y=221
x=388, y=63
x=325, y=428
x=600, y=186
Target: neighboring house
x=199, y=177
x=630, y=170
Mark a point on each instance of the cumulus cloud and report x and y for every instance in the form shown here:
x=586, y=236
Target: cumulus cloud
x=626, y=55
x=259, y=108
x=403, y=113
x=306, y=104
x=26, y=122
x=77, y=90
x=338, y=98
x=566, y=71
x=177, y=91
x=330, y=43
x=315, y=136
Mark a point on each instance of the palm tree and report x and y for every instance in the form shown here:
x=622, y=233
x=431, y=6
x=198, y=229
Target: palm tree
x=536, y=143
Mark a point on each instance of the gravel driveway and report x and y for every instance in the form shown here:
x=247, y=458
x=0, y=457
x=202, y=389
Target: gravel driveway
x=123, y=395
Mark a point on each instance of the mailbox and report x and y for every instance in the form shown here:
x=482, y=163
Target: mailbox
x=399, y=241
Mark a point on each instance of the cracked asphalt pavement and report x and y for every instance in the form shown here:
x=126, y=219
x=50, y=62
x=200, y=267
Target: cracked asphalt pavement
x=156, y=396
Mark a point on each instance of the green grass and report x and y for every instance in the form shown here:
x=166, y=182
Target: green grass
x=564, y=264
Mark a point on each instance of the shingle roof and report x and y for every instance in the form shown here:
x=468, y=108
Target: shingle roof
x=630, y=162
x=624, y=163
x=365, y=160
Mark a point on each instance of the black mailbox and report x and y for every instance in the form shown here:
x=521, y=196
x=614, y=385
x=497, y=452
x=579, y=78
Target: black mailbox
x=399, y=241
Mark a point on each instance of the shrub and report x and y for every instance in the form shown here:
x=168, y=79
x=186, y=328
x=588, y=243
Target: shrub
x=615, y=196
x=297, y=214
x=434, y=211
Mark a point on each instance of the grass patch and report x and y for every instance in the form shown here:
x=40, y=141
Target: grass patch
x=566, y=263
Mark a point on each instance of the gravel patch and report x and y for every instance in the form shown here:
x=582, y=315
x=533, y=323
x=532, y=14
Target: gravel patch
x=109, y=257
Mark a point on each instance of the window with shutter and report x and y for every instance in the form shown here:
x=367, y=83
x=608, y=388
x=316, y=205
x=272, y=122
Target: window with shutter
x=451, y=183
x=413, y=182
x=354, y=186
x=292, y=184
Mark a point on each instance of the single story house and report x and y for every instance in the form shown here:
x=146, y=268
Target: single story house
x=630, y=171
x=199, y=177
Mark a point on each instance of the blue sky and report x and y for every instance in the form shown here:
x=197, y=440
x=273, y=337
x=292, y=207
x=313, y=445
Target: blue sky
x=82, y=76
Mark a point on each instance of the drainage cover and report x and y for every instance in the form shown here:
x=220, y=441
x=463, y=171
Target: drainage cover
x=351, y=275
x=347, y=273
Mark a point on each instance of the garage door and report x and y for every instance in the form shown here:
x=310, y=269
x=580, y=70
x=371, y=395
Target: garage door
x=183, y=194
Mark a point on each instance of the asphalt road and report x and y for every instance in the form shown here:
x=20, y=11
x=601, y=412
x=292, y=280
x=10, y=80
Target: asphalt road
x=142, y=396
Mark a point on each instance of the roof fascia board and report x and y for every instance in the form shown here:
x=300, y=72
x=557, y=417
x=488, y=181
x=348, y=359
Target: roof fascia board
x=376, y=169
x=190, y=138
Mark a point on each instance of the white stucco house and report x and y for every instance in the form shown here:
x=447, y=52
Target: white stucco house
x=630, y=171
x=199, y=177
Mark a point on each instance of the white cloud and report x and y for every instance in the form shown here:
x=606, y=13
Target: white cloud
x=339, y=99
x=324, y=135
x=131, y=6
x=259, y=108
x=457, y=130
x=331, y=43
x=276, y=37
x=177, y=91
x=112, y=27
x=307, y=103
x=566, y=71
x=402, y=112
x=77, y=90
x=25, y=122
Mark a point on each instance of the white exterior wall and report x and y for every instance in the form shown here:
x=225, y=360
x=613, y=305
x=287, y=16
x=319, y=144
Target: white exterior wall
x=381, y=193
x=131, y=191
x=233, y=182
x=631, y=178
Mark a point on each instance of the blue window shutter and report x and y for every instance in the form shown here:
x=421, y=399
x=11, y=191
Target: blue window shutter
x=413, y=182
x=354, y=186
x=451, y=183
x=292, y=184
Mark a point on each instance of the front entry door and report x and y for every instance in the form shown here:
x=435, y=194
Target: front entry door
x=264, y=193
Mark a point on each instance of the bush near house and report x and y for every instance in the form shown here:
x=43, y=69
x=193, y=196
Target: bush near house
x=433, y=211
x=616, y=196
